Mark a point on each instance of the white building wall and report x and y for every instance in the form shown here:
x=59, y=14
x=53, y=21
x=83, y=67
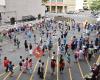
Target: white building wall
x=79, y=5
x=2, y=2
x=1, y=8
x=24, y=8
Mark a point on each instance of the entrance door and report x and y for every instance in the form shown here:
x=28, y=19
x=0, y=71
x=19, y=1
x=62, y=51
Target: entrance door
x=12, y=20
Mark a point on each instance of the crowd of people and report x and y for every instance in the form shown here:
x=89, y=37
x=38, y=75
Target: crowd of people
x=82, y=47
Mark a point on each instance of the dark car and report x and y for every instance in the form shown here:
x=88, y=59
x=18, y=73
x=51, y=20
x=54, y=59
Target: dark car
x=70, y=12
x=28, y=18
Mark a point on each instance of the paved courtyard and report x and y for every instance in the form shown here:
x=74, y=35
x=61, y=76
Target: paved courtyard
x=76, y=72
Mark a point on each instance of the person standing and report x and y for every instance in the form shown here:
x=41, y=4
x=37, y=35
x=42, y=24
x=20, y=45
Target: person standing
x=20, y=63
x=42, y=71
x=62, y=64
x=53, y=65
x=24, y=66
x=66, y=48
x=59, y=41
x=26, y=45
x=15, y=41
x=40, y=64
x=26, y=63
x=30, y=49
x=18, y=43
x=0, y=52
x=30, y=66
x=34, y=38
x=76, y=56
x=6, y=63
x=68, y=59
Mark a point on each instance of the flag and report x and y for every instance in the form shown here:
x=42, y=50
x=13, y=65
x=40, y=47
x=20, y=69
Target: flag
x=37, y=52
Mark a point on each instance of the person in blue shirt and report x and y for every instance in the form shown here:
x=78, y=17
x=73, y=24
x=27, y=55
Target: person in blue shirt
x=10, y=67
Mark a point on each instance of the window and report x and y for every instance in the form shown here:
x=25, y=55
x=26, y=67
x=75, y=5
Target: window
x=0, y=16
x=85, y=0
x=59, y=0
x=53, y=0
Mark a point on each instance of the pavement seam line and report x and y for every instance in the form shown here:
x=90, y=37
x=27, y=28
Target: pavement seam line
x=19, y=75
x=88, y=62
x=2, y=74
x=57, y=66
x=80, y=70
x=98, y=60
x=34, y=70
x=9, y=73
x=70, y=74
x=46, y=69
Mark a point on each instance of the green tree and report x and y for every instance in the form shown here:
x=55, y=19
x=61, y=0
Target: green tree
x=44, y=1
x=95, y=5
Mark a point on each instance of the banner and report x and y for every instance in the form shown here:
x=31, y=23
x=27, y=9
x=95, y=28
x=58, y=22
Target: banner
x=37, y=52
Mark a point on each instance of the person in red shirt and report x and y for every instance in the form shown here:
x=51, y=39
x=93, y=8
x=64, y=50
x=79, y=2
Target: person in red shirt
x=6, y=63
x=53, y=65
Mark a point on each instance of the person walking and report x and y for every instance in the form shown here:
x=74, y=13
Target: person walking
x=10, y=67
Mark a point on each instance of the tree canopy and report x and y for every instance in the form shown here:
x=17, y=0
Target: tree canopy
x=95, y=5
x=44, y=1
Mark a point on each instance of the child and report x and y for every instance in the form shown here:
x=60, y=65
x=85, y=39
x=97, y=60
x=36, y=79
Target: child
x=30, y=66
x=24, y=66
x=10, y=67
x=26, y=63
x=6, y=63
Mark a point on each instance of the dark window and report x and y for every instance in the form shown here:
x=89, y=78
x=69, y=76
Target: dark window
x=0, y=16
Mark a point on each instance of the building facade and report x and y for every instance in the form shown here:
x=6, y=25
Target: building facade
x=19, y=8
x=63, y=6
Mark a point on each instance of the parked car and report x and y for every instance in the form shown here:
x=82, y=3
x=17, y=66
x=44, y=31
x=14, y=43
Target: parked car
x=81, y=10
x=70, y=12
x=98, y=18
x=28, y=18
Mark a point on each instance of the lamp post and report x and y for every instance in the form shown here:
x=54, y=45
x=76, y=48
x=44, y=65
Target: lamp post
x=43, y=3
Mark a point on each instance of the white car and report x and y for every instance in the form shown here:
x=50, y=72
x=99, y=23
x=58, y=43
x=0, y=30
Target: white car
x=98, y=19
